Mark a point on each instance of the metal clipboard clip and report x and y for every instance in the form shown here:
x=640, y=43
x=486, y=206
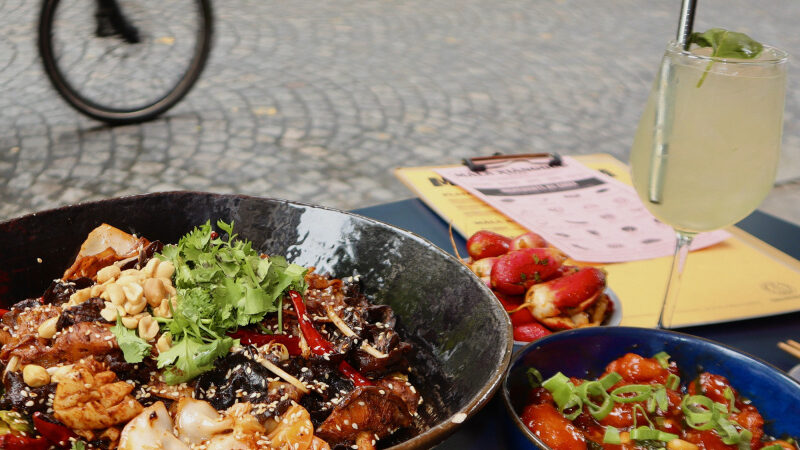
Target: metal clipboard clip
x=481, y=163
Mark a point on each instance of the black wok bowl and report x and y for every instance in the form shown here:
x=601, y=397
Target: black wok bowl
x=452, y=317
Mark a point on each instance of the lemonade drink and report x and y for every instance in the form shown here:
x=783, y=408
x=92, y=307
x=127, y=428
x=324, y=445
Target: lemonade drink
x=722, y=138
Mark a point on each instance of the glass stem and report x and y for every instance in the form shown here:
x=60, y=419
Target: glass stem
x=684, y=240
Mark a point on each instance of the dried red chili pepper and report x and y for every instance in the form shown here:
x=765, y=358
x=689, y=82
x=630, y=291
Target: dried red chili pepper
x=3, y=312
x=319, y=345
x=54, y=432
x=246, y=337
x=16, y=442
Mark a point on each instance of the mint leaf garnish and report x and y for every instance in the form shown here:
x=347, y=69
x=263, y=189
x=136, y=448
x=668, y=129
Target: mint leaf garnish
x=726, y=44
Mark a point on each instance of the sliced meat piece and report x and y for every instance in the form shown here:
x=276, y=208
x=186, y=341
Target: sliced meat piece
x=82, y=340
x=395, y=361
x=23, y=320
x=30, y=349
x=400, y=387
x=367, y=409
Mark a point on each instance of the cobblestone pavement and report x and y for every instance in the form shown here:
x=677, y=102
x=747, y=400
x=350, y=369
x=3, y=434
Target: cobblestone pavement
x=319, y=101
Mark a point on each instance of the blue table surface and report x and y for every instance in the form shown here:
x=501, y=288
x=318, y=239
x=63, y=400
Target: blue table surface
x=758, y=337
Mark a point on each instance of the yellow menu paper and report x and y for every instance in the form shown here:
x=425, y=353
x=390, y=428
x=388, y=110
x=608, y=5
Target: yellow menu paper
x=739, y=278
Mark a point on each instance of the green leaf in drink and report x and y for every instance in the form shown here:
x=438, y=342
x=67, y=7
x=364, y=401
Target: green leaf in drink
x=726, y=44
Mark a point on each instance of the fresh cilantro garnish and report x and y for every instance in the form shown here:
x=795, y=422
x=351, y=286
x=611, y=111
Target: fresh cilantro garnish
x=78, y=445
x=221, y=284
x=134, y=348
x=726, y=44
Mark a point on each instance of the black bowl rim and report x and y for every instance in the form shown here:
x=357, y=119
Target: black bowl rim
x=611, y=330
x=432, y=435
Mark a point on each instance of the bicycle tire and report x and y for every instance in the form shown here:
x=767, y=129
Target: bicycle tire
x=109, y=113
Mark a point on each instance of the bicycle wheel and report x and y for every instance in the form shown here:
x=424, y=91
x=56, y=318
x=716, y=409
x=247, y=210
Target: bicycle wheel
x=103, y=75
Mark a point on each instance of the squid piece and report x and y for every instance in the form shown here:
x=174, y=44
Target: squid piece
x=150, y=430
x=294, y=430
x=90, y=398
x=197, y=421
x=570, y=301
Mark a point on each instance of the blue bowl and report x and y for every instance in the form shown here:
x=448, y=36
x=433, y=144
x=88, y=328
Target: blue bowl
x=585, y=352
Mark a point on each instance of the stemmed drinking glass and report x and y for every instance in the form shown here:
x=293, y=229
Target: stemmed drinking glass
x=707, y=146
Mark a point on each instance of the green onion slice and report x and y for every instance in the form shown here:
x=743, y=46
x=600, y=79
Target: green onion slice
x=573, y=402
x=610, y=380
x=644, y=413
x=673, y=381
x=611, y=436
x=590, y=389
x=563, y=392
x=744, y=442
x=560, y=387
x=663, y=359
x=651, y=434
x=728, y=394
x=534, y=377
x=727, y=432
x=699, y=412
x=768, y=447
x=658, y=400
x=640, y=393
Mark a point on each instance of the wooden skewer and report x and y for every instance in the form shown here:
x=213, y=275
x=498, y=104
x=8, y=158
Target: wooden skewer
x=336, y=320
x=790, y=346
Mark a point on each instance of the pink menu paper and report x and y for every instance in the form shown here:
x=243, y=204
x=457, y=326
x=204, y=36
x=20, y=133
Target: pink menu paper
x=590, y=216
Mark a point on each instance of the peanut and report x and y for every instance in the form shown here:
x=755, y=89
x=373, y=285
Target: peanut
x=109, y=312
x=165, y=269
x=130, y=322
x=135, y=307
x=47, y=329
x=80, y=296
x=132, y=273
x=13, y=364
x=96, y=290
x=164, y=343
x=150, y=268
x=57, y=373
x=154, y=291
x=133, y=292
x=168, y=286
x=115, y=294
x=680, y=444
x=163, y=310
x=107, y=273
x=148, y=328
x=35, y=376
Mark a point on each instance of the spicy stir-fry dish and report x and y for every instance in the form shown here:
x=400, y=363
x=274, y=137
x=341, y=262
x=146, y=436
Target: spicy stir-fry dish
x=203, y=344
x=642, y=403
